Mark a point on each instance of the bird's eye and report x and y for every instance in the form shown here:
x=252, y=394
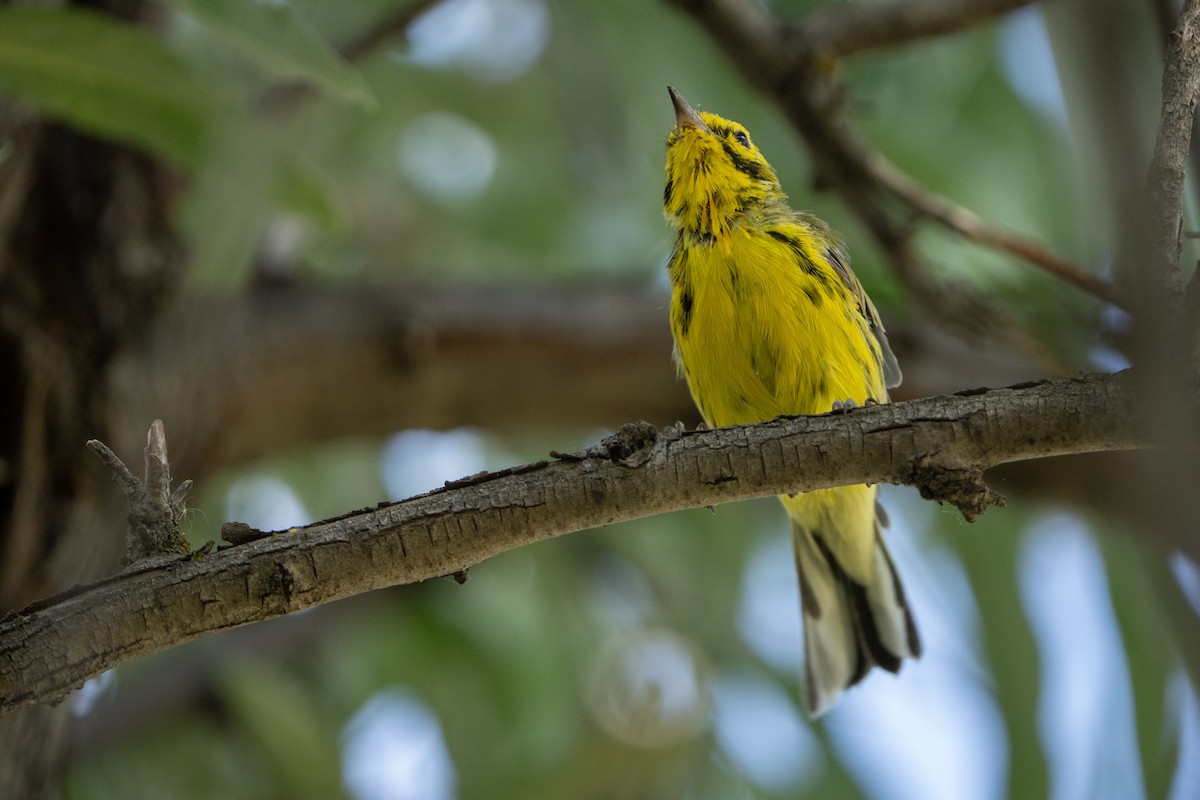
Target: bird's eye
x=742, y=138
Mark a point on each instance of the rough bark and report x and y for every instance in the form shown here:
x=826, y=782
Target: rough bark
x=940, y=445
x=1180, y=93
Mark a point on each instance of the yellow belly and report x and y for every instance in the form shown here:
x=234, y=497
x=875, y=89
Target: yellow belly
x=758, y=336
x=765, y=337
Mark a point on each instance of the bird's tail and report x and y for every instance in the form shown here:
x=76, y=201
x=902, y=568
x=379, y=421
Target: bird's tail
x=850, y=623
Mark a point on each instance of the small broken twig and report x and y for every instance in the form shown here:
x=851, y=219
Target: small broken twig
x=154, y=510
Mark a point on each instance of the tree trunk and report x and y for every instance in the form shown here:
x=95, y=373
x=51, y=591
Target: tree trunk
x=87, y=262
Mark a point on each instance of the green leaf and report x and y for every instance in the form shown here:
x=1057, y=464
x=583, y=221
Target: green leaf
x=107, y=77
x=118, y=81
x=302, y=189
x=281, y=716
x=280, y=40
x=248, y=172
x=1134, y=578
x=227, y=209
x=991, y=554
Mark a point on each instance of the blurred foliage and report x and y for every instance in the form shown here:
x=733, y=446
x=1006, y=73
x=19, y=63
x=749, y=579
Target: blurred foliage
x=522, y=140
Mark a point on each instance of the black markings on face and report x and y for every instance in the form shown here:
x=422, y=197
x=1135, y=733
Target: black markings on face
x=743, y=164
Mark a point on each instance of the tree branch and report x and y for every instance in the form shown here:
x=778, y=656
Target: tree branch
x=285, y=97
x=240, y=377
x=385, y=30
x=939, y=444
x=154, y=510
x=506, y=358
x=843, y=30
x=969, y=225
x=1180, y=92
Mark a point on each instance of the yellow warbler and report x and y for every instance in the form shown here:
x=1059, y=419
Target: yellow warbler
x=768, y=319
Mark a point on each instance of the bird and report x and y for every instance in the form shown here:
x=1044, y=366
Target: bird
x=768, y=319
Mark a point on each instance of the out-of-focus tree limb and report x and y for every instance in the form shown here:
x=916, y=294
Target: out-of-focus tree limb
x=236, y=378
x=285, y=97
x=1180, y=92
x=970, y=225
x=386, y=29
x=845, y=29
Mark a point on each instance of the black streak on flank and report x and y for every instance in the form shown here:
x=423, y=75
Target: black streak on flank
x=870, y=375
x=780, y=236
x=675, y=265
x=685, y=311
x=802, y=258
x=668, y=190
x=741, y=163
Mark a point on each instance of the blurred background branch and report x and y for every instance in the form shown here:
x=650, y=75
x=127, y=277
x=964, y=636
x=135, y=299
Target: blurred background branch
x=839, y=31
x=1180, y=92
x=386, y=30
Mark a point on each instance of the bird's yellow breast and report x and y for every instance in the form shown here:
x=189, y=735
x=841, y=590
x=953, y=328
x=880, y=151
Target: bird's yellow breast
x=767, y=316
x=764, y=326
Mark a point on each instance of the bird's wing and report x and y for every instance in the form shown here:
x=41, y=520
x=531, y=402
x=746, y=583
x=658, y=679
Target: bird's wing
x=841, y=264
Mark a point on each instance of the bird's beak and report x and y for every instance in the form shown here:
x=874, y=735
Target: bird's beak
x=685, y=116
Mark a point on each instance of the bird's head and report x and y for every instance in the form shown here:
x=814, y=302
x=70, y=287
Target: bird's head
x=714, y=172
